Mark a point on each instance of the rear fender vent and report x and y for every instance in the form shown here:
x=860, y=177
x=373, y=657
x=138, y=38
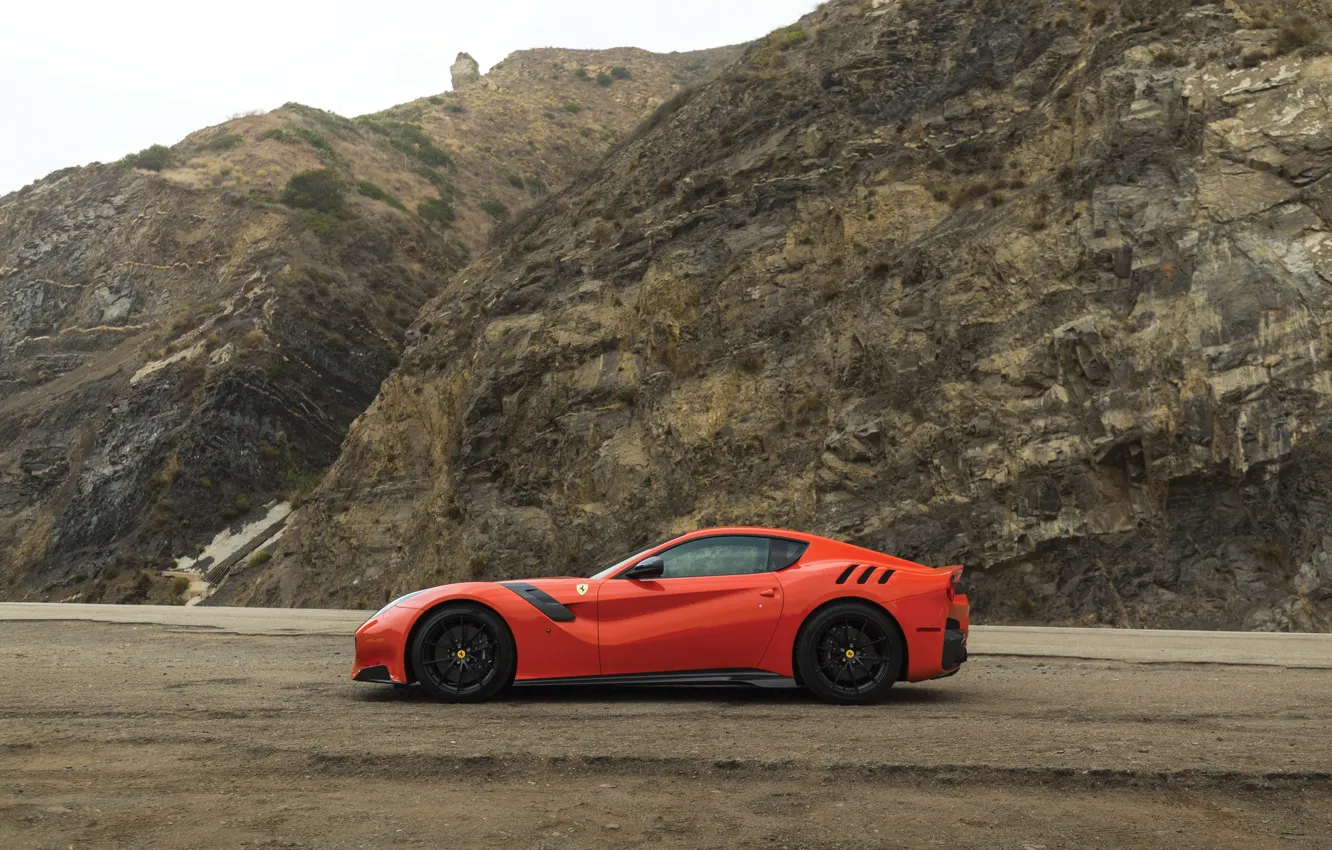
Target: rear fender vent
x=846, y=574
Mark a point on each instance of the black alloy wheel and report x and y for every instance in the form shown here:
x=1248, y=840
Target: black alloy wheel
x=849, y=653
x=464, y=653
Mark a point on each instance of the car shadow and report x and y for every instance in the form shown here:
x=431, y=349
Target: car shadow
x=921, y=694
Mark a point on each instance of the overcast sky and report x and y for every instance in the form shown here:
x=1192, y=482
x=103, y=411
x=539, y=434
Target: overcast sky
x=82, y=81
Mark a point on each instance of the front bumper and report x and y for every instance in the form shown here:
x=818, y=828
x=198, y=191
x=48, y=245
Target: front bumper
x=381, y=647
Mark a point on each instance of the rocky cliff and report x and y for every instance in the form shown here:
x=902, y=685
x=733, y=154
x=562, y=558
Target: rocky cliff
x=1042, y=288
x=185, y=336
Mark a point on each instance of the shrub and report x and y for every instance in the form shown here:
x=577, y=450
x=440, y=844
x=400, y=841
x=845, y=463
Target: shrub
x=581, y=73
x=321, y=145
x=604, y=80
x=515, y=181
x=437, y=211
x=572, y=108
x=320, y=190
x=180, y=586
x=620, y=72
x=243, y=503
x=1168, y=59
x=788, y=37
x=436, y=100
x=1297, y=32
x=225, y=142
x=495, y=209
x=280, y=135
x=258, y=559
x=205, y=482
x=971, y=193
x=409, y=138
x=456, y=109
x=154, y=158
x=374, y=193
x=536, y=186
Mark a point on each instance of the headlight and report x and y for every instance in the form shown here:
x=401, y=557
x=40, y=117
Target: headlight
x=398, y=601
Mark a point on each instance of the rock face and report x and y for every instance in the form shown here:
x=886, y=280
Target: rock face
x=465, y=70
x=179, y=349
x=1036, y=289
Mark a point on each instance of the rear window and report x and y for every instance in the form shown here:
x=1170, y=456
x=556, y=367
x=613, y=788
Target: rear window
x=784, y=553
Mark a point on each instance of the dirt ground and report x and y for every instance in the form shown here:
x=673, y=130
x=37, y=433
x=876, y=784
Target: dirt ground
x=162, y=737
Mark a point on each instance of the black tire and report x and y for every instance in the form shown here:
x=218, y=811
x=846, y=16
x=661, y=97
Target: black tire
x=464, y=653
x=849, y=653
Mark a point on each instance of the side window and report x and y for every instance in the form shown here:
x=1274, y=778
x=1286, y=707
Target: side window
x=784, y=553
x=718, y=556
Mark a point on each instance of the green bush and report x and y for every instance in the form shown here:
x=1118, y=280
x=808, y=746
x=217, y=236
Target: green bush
x=788, y=37
x=154, y=158
x=581, y=73
x=495, y=209
x=225, y=142
x=243, y=503
x=514, y=180
x=436, y=100
x=320, y=190
x=437, y=210
x=536, y=186
x=572, y=108
x=258, y=559
x=620, y=72
x=374, y=193
x=278, y=134
x=604, y=80
x=455, y=108
x=411, y=139
x=315, y=140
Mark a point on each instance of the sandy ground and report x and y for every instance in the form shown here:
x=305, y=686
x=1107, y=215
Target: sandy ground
x=121, y=735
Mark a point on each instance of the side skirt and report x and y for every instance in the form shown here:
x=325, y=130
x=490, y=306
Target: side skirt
x=754, y=678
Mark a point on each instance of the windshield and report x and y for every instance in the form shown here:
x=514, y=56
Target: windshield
x=609, y=571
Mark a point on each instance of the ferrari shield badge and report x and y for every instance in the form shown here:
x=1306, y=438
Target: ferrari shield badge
x=582, y=590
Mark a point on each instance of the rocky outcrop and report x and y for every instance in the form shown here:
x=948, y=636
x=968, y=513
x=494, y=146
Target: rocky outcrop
x=465, y=71
x=1040, y=290
x=179, y=348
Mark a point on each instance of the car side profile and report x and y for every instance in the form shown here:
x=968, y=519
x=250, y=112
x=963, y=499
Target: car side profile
x=750, y=606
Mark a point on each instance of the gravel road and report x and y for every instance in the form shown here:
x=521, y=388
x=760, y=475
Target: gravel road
x=166, y=736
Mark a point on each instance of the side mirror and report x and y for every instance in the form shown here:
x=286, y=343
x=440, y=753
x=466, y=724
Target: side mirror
x=648, y=568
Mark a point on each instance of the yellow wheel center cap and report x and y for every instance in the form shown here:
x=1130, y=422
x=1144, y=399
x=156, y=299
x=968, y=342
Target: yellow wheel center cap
x=850, y=653
x=462, y=653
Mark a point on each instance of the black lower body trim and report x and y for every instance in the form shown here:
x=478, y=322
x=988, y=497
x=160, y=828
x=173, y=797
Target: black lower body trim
x=955, y=645
x=755, y=678
x=379, y=675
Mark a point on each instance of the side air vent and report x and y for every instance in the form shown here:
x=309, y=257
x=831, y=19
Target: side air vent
x=846, y=574
x=865, y=576
x=887, y=574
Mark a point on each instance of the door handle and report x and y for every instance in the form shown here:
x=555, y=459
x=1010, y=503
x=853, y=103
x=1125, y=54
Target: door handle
x=767, y=594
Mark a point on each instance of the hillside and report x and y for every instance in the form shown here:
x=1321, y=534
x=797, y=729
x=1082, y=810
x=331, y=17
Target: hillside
x=185, y=336
x=1041, y=288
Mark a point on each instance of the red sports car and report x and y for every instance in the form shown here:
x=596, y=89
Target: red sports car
x=751, y=606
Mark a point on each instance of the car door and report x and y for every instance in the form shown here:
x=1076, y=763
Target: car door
x=715, y=607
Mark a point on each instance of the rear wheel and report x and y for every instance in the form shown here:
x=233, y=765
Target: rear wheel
x=463, y=653
x=849, y=653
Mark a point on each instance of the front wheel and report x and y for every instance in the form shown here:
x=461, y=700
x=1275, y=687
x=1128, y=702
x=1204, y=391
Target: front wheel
x=849, y=654
x=463, y=653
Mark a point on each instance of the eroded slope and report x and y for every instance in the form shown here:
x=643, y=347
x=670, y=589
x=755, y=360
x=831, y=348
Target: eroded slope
x=1037, y=287
x=179, y=348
